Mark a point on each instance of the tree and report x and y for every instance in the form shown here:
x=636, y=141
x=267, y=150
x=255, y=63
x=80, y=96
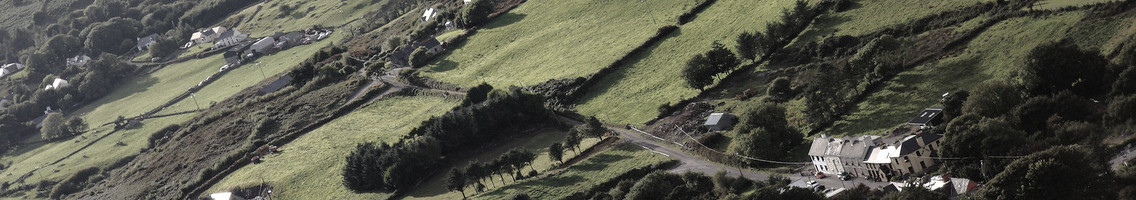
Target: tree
x=915, y=192
x=54, y=127
x=1126, y=82
x=110, y=36
x=780, y=90
x=456, y=181
x=573, y=140
x=698, y=73
x=952, y=104
x=592, y=127
x=1120, y=110
x=556, y=152
x=476, y=171
x=76, y=125
x=992, y=99
x=1058, y=66
x=1048, y=175
x=477, y=94
x=419, y=57
x=656, y=185
x=750, y=45
x=163, y=46
x=721, y=60
x=477, y=12
x=393, y=43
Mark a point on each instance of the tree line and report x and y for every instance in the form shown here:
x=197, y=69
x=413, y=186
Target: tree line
x=398, y=166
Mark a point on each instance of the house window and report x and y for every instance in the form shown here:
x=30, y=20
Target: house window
x=910, y=170
x=922, y=165
x=918, y=153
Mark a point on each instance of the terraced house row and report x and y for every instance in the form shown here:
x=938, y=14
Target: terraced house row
x=906, y=150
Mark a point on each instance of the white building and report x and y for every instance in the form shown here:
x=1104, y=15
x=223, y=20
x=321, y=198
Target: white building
x=429, y=13
x=207, y=35
x=78, y=61
x=58, y=83
x=225, y=196
x=719, y=121
x=229, y=38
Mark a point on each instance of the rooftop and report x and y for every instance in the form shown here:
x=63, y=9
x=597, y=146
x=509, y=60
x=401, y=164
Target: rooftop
x=926, y=116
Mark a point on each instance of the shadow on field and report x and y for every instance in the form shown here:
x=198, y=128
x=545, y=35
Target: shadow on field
x=823, y=27
x=504, y=20
x=561, y=181
x=444, y=65
x=623, y=71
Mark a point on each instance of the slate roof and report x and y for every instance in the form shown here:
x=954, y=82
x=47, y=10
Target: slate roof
x=926, y=116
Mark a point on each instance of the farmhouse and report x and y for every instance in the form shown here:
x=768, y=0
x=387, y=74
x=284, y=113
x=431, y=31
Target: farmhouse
x=719, y=121
x=263, y=45
x=58, y=83
x=402, y=56
x=145, y=42
x=874, y=157
x=207, y=35
x=229, y=38
x=78, y=61
x=930, y=117
x=10, y=69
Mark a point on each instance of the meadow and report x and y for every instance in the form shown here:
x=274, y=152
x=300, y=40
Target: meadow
x=867, y=16
x=546, y=39
x=655, y=77
x=266, y=18
x=435, y=187
x=310, y=166
x=1057, y=4
x=996, y=53
x=582, y=176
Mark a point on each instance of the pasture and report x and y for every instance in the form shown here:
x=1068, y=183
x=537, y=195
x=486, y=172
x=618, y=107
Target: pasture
x=582, y=176
x=867, y=16
x=310, y=166
x=547, y=39
x=994, y=54
x=631, y=94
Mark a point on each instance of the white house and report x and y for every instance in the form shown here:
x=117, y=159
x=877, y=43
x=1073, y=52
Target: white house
x=225, y=196
x=229, y=38
x=429, y=13
x=467, y=1
x=4, y=72
x=58, y=83
x=145, y=42
x=264, y=45
x=78, y=61
x=207, y=35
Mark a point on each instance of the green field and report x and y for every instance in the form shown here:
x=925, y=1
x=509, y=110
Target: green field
x=100, y=154
x=148, y=91
x=867, y=16
x=1056, y=4
x=265, y=18
x=547, y=39
x=249, y=74
x=994, y=54
x=435, y=188
x=309, y=167
x=583, y=175
x=655, y=77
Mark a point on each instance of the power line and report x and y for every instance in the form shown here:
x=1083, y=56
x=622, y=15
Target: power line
x=739, y=155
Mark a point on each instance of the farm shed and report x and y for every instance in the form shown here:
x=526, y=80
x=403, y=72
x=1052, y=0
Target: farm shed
x=720, y=121
x=929, y=117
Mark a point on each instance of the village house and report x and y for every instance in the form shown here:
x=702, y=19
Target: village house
x=905, y=151
x=944, y=184
x=842, y=155
x=909, y=155
x=145, y=42
x=720, y=121
x=402, y=56
x=78, y=61
x=234, y=55
x=58, y=83
x=207, y=35
x=10, y=68
x=429, y=13
x=264, y=45
x=229, y=38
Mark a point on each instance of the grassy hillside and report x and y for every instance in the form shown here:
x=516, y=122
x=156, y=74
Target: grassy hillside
x=547, y=39
x=867, y=16
x=583, y=175
x=632, y=93
x=148, y=91
x=435, y=187
x=268, y=17
x=1056, y=4
x=250, y=74
x=102, y=153
x=309, y=167
x=994, y=54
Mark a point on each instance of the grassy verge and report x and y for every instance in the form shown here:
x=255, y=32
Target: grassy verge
x=544, y=39
x=655, y=78
x=582, y=176
x=309, y=167
x=994, y=54
x=435, y=188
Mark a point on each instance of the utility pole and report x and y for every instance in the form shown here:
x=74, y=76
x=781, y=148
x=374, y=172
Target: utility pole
x=261, y=69
x=194, y=95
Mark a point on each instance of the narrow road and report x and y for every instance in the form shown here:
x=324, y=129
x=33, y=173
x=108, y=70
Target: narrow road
x=1121, y=158
x=697, y=164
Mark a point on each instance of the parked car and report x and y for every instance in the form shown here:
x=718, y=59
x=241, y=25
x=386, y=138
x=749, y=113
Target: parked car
x=844, y=176
x=819, y=175
x=812, y=183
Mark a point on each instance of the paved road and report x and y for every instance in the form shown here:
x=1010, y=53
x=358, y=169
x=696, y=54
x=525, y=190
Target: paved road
x=692, y=163
x=1120, y=159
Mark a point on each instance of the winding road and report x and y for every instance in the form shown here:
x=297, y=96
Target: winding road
x=697, y=164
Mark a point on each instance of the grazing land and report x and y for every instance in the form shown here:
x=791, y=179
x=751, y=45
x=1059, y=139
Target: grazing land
x=920, y=87
x=632, y=93
x=269, y=17
x=868, y=16
x=309, y=167
x=546, y=39
x=583, y=175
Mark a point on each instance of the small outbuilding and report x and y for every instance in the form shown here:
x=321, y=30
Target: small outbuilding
x=225, y=196
x=720, y=121
x=145, y=42
x=58, y=83
x=264, y=45
x=929, y=117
